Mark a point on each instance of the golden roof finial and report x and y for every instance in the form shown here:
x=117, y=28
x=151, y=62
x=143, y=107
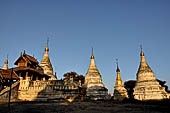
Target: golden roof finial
x=47, y=49
x=141, y=54
x=118, y=78
x=117, y=70
x=6, y=61
x=92, y=56
x=47, y=40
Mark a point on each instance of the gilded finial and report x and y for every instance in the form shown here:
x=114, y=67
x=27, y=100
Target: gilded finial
x=117, y=61
x=141, y=54
x=141, y=47
x=117, y=70
x=46, y=49
x=47, y=40
x=118, y=78
x=92, y=56
x=5, y=67
x=6, y=61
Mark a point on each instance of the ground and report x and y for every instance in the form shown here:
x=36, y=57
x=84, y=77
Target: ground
x=86, y=107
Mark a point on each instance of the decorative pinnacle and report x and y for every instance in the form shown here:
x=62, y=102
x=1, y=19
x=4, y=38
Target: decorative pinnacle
x=47, y=40
x=141, y=54
x=92, y=56
x=117, y=70
x=46, y=49
x=141, y=46
x=6, y=61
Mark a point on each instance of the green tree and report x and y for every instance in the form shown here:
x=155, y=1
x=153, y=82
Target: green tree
x=162, y=83
x=76, y=77
x=129, y=85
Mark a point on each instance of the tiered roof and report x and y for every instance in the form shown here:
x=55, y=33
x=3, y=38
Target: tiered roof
x=6, y=74
x=27, y=58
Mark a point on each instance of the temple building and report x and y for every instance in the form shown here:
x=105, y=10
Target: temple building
x=147, y=87
x=120, y=93
x=93, y=82
x=28, y=67
x=46, y=64
x=30, y=83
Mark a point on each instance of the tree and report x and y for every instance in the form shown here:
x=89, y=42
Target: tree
x=79, y=78
x=68, y=75
x=162, y=83
x=129, y=85
x=75, y=76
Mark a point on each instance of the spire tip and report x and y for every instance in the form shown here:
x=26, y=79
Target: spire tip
x=92, y=56
x=117, y=70
x=141, y=54
x=47, y=49
x=47, y=40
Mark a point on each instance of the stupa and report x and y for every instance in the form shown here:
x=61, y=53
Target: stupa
x=147, y=87
x=93, y=82
x=46, y=64
x=120, y=93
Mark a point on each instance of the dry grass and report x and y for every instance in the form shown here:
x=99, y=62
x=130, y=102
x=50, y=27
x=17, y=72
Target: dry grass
x=85, y=107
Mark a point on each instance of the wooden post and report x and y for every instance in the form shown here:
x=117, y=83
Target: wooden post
x=36, y=77
x=26, y=75
x=31, y=76
x=10, y=83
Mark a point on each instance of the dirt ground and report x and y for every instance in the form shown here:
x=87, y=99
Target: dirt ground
x=85, y=107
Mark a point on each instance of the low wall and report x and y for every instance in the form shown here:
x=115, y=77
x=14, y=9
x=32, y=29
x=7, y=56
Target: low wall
x=45, y=90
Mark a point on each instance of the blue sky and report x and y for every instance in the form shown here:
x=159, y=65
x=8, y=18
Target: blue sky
x=114, y=28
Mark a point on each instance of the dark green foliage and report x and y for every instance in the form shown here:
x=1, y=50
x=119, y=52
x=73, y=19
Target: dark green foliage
x=76, y=77
x=162, y=83
x=129, y=85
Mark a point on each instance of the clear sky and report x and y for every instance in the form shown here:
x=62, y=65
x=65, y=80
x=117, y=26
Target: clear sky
x=114, y=28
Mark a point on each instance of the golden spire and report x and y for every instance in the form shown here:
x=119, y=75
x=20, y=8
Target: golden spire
x=141, y=54
x=117, y=70
x=118, y=78
x=144, y=67
x=6, y=64
x=92, y=64
x=47, y=49
x=92, y=56
x=6, y=61
x=45, y=62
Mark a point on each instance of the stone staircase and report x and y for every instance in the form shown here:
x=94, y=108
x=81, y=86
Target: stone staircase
x=14, y=92
x=8, y=88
